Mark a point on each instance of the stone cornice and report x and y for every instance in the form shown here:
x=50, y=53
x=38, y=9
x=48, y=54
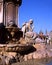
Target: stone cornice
x=16, y=2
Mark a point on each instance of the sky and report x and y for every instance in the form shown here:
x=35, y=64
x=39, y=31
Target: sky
x=38, y=10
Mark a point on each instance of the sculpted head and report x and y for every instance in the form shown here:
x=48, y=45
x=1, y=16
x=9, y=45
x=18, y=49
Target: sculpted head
x=31, y=21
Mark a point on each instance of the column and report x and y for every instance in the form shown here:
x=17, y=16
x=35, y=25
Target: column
x=1, y=12
x=16, y=16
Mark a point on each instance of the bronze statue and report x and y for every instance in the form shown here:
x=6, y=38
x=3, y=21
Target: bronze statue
x=4, y=34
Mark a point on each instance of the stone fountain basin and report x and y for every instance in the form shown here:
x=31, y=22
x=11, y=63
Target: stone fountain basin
x=14, y=47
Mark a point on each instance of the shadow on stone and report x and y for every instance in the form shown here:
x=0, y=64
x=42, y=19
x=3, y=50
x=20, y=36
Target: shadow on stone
x=32, y=49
